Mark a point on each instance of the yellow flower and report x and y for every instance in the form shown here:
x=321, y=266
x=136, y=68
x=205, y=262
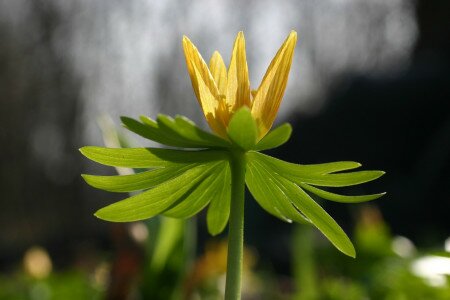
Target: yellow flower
x=221, y=93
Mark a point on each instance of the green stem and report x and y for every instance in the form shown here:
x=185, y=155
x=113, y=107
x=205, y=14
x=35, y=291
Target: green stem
x=236, y=228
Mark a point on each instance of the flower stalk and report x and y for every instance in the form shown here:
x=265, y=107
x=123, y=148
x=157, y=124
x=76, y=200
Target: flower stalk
x=236, y=228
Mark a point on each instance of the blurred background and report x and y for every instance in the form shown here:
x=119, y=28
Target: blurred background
x=370, y=82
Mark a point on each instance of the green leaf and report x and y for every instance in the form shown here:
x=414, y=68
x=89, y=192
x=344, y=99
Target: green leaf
x=135, y=182
x=180, y=132
x=187, y=129
x=338, y=180
x=148, y=121
x=267, y=186
x=340, y=198
x=275, y=137
x=301, y=170
x=319, y=217
x=266, y=192
x=151, y=131
x=200, y=197
x=168, y=132
x=149, y=157
x=258, y=189
x=114, y=138
x=167, y=128
x=242, y=129
x=314, y=174
x=219, y=208
x=154, y=201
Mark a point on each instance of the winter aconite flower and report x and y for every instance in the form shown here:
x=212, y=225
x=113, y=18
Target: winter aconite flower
x=223, y=92
x=210, y=171
x=180, y=183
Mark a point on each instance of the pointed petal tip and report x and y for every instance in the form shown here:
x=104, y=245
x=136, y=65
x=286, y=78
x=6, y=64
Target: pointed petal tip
x=240, y=36
x=216, y=54
x=187, y=42
x=292, y=38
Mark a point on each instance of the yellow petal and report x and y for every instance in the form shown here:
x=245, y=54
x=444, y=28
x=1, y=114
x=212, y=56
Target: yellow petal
x=268, y=97
x=210, y=105
x=195, y=61
x=219, y=72
x=238, y=89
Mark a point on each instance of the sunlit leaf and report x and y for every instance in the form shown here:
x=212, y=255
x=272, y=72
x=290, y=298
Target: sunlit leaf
x=168, y=127
x=201, y=196
x=180, y=183
x=113, y=138
x=340, y=198
x=337, y=180
x=319, y=217
x=151, y=131
x=264, y=189
x=275, y=138
x=258, y=192
x=177, y=133
x=188, y=130
x=242, y=129
x=266, y=186
x=301, y=170
x=304, y=173
x=135, y=182
x=149, y=157
x=154, y=201
x=219, y=208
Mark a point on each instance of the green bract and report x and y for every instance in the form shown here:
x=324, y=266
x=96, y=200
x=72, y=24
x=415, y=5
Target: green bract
x=180, y=183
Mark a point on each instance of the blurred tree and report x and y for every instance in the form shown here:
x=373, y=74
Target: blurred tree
x=39, y=135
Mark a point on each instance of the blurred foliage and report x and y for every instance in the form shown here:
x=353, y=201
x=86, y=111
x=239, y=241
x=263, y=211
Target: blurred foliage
x=70, y=285
x=169, y=255
x=384, y=268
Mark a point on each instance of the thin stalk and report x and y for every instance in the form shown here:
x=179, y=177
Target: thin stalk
x=236, y=228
